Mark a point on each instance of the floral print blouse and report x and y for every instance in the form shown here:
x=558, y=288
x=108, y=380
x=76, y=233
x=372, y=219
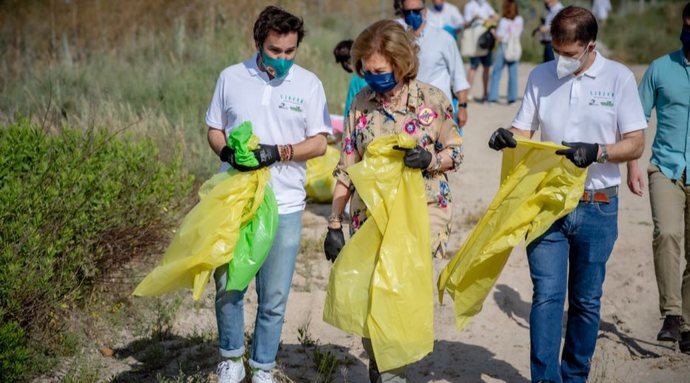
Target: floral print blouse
x=427, y=115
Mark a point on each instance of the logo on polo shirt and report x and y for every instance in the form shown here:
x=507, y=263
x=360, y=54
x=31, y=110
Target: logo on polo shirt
x=601, y=98
x=293, y=103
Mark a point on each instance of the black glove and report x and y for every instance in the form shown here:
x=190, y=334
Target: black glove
x=335, y=241
x=501, y=139
x=227, y=154
x=581, y=154
x=416, y=158
x=267, y=155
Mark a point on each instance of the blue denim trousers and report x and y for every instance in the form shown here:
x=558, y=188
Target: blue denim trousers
x=571, y=256
x=499, y=63
x=272, y=288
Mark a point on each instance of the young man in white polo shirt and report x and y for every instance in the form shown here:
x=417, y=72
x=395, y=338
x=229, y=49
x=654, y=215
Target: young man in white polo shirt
x=287, y=107
x=591, y=104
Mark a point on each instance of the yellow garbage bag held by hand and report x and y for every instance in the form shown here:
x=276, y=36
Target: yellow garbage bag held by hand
x=538, y=187
x=210, y=231
x=320, y=181
x=381, y=284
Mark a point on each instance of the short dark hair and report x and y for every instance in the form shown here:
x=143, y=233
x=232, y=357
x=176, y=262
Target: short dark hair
x=276, y=19
x=686, y=12
x=398, y=6
x=574, y=25
x=342, y=51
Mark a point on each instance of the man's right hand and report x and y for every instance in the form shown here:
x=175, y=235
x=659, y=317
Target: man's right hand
x=501, y=139
x=227, y=154
x=334, y=243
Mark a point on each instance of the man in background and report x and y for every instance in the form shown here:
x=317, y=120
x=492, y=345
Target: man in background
x=666, y=87
x=446, y=16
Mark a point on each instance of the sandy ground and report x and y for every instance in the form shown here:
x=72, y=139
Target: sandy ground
x=495, y=346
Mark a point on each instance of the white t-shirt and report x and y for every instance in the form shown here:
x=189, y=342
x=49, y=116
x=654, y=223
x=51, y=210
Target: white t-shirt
x=448, y=16
x=553, y=11
x=507, y=27
x=478, y=8
x=601, y=9
x=281, y=112
x=440, y=63
x=598, y=106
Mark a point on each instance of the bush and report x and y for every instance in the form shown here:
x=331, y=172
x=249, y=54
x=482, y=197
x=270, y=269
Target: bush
x=640, y=37
x=72, y=205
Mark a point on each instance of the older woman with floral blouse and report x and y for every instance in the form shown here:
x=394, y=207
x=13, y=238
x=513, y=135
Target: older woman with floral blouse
x=385, y=55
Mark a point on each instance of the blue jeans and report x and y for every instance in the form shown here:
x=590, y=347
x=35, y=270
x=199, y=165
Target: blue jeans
x=499, y=63
x=548, y=52
x=272, y=288
x=573, y=251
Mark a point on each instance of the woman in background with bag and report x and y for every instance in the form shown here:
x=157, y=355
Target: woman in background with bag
x=509, y=50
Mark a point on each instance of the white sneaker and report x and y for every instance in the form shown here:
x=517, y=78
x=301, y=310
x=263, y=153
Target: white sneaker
x=261, y=376
x=230, y=371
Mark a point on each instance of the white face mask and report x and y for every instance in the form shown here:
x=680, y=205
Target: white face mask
x=566, y=66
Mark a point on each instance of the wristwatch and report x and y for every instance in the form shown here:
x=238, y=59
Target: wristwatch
x=604, y=158
x=462, y=105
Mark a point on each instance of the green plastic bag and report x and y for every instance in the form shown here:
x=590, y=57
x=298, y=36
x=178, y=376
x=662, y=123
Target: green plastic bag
x=256, y=240
x=236, y=217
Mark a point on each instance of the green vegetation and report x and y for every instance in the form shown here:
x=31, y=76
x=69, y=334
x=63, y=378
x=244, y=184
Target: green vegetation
x=639, y=37
x=73, y=205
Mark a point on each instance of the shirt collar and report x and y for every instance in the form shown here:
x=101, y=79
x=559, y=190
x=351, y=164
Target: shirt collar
x=253, y=69
x=596, y=67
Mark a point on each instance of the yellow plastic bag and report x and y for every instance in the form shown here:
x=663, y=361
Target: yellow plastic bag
x=320, y=181
x=381, y=284
x=210, y=231
x=538, y=187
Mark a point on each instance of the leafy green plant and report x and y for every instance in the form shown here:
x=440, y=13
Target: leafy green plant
x=73, y=204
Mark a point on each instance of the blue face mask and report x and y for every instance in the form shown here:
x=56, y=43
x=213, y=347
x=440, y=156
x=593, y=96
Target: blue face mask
x=685, y=39
x=414, y=19
x=280, y=66
x=439, y=7
x=380, y=83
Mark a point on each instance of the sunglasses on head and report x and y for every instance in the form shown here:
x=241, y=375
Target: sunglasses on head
x=407, y=12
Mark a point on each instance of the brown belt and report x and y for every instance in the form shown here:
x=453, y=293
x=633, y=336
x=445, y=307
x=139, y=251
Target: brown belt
x=601, y=195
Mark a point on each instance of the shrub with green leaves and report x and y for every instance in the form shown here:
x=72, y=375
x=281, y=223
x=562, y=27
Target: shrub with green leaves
x=72, y=205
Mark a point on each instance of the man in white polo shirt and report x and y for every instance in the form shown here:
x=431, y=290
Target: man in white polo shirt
x=440, y=63
x=591, y=104
x=286, y=105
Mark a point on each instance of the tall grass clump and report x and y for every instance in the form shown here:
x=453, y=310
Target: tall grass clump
x=638, y=36
x=73, y=204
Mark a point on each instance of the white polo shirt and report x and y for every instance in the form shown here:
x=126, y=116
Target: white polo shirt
x=478, y=8
x=448, y=16
x=281, y=112
x=599, y=106
x=440, y=63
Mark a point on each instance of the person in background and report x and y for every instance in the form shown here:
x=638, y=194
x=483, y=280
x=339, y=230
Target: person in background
x=552, y=7
x=591, y=105
x=510, y=25
x=440, y=63
x=342, y=57
x=286, y=105
x=478, y=12
x=446, y=16
x=601, y=9
x=666, y=87
x=393, y=103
